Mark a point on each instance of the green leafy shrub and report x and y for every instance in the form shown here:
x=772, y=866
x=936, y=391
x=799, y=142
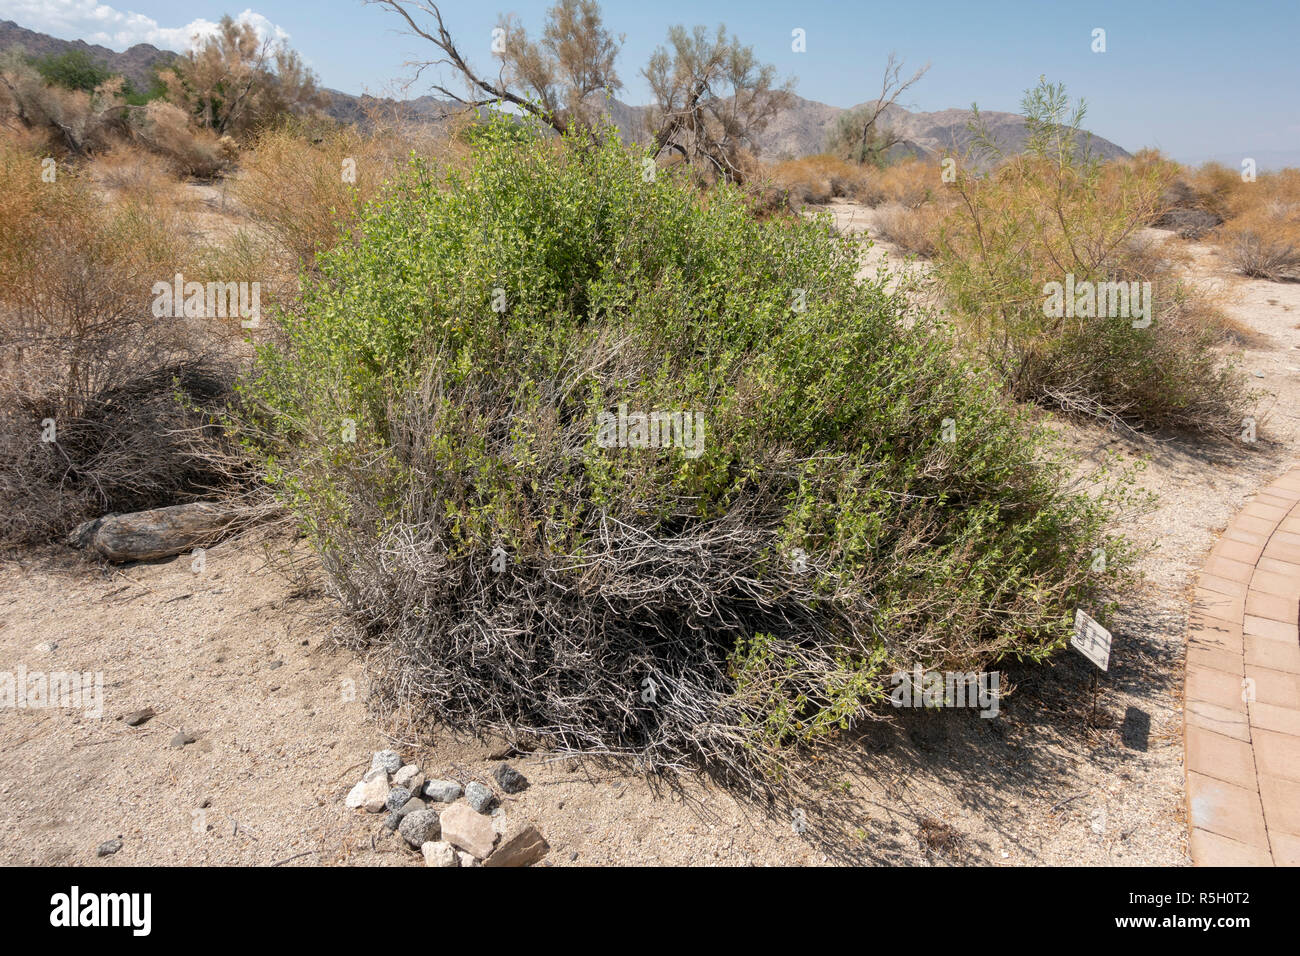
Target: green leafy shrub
x=505, y=571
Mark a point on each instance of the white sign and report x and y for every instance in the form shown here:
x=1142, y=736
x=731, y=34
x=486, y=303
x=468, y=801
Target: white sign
x=1091, y=640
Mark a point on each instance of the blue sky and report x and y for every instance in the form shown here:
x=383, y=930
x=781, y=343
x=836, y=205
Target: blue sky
x=1196, y=78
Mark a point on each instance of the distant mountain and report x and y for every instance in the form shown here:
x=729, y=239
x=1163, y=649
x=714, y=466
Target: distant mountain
x=801, y=128
x=798, y=130
x=134, y=63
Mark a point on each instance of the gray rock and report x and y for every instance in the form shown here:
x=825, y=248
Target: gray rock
x=439, y=853
x=109, y=847
x=479, y=797
x=392, y=821
x=468, y=830
x=509, y=779
x=181, y=739
x=397, y=798
x=389, y=760
x=410, y=806
x=420, y=827
x=442, y=791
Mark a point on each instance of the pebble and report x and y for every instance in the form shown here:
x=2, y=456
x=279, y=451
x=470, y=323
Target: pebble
x=442, y=791
x=468, y=830
x=419, y=827
x=45, y=647
x=371, y=794
x=405, y=777
x=388, y=760
x=397, y=798
x=509, y=779
x=181, y=740
x=467, y=859
x=439, y=853
x=479, y=797
x=109, y=847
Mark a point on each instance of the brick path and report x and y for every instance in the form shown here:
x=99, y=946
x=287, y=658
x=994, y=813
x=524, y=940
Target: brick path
x=1242, y=698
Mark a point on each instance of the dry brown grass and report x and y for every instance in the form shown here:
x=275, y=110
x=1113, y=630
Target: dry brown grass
x=1264, y=242
x=909, y=182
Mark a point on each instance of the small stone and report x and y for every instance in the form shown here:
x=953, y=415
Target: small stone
x=392, y=821
x=419, y=827
x=523, y=849
x=468, y=830
x=405, y=775
x=439, y=853
x=499, y=821
x=388, y=760
x=415, y=803
x=479, y=797
x=138, y=717
x=275, y=664
x=45, y=647
x=442, y=791
x=371, y=794
x=109, y=847
x=181, y=739
x=509, y=779
x=467, y=859
x=397, y=798
x=376, y=772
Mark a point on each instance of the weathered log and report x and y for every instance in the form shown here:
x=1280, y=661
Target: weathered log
x=158, y=533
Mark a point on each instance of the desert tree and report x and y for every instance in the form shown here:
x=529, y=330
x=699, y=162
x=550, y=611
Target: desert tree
x=234, y=80
x=552, y=78
x=862, y=135
x=712, y=98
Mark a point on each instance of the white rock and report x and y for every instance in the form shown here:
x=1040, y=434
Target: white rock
x=467, y=859
x=405, y=777
x=468, y=830
x=440, y=853
x=371, y=794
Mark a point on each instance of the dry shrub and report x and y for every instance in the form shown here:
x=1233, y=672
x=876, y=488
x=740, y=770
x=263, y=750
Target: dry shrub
x=89, y=415
x=166, y=130
x=1264, y=243
x=909, y=182
x=817, y=179
x=1049, y=219
x=914, y=230
x=132, y=174
x=292, y=182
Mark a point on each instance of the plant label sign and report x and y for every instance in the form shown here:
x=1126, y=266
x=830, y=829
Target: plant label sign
x=1091, y=640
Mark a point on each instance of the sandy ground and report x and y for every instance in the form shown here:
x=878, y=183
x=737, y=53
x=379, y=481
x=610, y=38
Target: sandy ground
x=240, y=657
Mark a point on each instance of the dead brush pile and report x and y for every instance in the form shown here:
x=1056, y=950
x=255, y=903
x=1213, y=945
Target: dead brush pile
x=103, y=407
x=830, y=494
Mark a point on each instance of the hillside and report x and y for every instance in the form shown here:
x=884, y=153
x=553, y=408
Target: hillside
x=135, y=63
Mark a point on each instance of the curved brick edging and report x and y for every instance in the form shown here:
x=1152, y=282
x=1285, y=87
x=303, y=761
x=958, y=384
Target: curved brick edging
x=1242, y=696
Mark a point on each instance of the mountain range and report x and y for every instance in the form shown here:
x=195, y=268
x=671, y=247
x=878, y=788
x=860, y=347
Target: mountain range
x=798, y=130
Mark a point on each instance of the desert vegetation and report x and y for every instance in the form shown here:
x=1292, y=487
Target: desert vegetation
x=874, y=485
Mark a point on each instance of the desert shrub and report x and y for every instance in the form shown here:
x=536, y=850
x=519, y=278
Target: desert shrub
x=432, y=417
x=73, y=70
x=90, y=419
x=909, y=182
x=914, y=230
x=293, y=182
x=1053, y=215
x=816, y=179
x=191, y=150
x=1264, y=243
x=73, y=120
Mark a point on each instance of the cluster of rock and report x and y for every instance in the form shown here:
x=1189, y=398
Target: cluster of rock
x=464, y=832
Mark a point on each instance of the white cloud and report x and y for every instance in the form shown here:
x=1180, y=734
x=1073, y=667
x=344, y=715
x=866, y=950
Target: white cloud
x=99, y=23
